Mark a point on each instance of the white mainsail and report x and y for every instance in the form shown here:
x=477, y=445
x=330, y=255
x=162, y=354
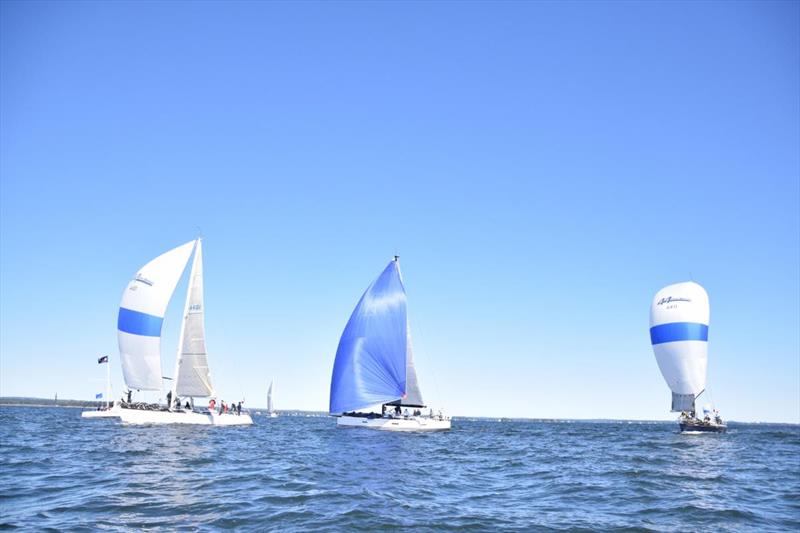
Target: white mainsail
x=270, y=407
x=192, y=376
x=413, y=397
x=141, y=315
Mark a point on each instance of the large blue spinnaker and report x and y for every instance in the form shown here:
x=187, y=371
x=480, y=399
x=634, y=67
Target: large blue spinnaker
x=370, y=366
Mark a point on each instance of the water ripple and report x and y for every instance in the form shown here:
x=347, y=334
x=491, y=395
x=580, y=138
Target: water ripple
x=58, y=472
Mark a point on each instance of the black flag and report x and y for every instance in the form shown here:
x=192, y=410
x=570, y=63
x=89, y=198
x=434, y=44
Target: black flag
x=103, y=359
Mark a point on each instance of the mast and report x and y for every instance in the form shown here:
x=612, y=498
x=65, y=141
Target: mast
x=183, y=326
x=413, y=395
x=108, y=384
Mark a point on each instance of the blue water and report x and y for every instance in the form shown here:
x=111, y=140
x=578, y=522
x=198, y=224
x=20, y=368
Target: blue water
x=298, y=473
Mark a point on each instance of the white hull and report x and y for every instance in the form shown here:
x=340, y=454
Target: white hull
x=142, y=416
x=106, y=413
x=272, y=415
x=411, y=423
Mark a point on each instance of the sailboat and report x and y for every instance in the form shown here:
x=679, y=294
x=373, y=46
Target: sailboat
x=270, y=407
x=111, y=409
x=679, y=316
x=374, y=363
x=139, y=325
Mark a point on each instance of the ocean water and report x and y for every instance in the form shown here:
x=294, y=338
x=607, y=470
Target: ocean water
x=301, y=473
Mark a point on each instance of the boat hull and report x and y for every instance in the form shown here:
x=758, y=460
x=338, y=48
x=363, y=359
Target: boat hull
x=700, y=427
x=145, y=416
x=411, y=423
x=106, y=413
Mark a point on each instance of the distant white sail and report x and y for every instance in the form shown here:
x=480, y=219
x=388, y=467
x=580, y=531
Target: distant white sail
x=141, y=315
x=679, y=317
x=192, y=376
x=270, y=407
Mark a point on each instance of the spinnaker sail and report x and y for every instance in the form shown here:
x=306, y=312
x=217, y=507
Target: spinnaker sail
x=371, y=359
x=141, y=315
x=679, y=318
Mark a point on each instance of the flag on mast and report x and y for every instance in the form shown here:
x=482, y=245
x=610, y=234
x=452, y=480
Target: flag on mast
x=102, y=360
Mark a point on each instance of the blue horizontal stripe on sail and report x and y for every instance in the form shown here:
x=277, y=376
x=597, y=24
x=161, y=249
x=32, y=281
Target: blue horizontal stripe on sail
x=138, y=323
x=678, y=331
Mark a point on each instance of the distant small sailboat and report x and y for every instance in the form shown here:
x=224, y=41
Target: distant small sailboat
x=375, y=365
x=270, y=407
x=111, y=409
x=139, y=325
x=679, y=317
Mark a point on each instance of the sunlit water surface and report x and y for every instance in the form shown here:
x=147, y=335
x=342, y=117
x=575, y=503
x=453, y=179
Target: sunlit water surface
x=301, y=473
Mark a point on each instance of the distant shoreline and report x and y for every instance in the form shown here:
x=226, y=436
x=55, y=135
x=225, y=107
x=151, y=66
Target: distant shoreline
x=25, y=401
x=20, y=401
x=4, y=404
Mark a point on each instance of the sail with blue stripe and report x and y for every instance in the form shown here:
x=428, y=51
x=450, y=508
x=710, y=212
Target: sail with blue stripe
x=141, y=317
x=371, y=360
x=679, y=317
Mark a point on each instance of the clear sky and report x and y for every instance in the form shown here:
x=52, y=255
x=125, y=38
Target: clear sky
x=541, y=168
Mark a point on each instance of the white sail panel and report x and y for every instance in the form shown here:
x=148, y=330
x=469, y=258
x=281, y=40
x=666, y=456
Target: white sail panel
x=679, y=318
x=141, y=316
x=413, y=397
x=192, y=376
x=270, y=407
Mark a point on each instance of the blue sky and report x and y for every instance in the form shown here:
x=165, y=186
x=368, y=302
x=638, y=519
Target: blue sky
x=541, y=168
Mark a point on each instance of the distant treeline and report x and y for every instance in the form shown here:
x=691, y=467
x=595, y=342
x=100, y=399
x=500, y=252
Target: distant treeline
x=49, y=402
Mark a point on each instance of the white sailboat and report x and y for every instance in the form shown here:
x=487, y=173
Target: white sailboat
x=111, y=409
x=139, y=325
x=375, y=365
x=679, y=317
x=270, y=407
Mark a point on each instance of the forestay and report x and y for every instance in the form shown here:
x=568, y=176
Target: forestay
x=679, y=317
x=141, y=315
x=370, y=365
x=192, y=373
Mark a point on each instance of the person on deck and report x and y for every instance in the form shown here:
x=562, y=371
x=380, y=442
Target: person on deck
x=187, y=406
x=239, y=408
x=169, y=399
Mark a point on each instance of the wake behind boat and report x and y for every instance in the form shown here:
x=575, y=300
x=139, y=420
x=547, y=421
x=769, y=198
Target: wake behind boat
x=375, y=365
x=679, y=317
x=139, y=325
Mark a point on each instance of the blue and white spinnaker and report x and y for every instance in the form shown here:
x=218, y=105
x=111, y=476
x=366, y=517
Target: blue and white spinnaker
x=679, y=317
x=141, y=315
x=374, y=364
